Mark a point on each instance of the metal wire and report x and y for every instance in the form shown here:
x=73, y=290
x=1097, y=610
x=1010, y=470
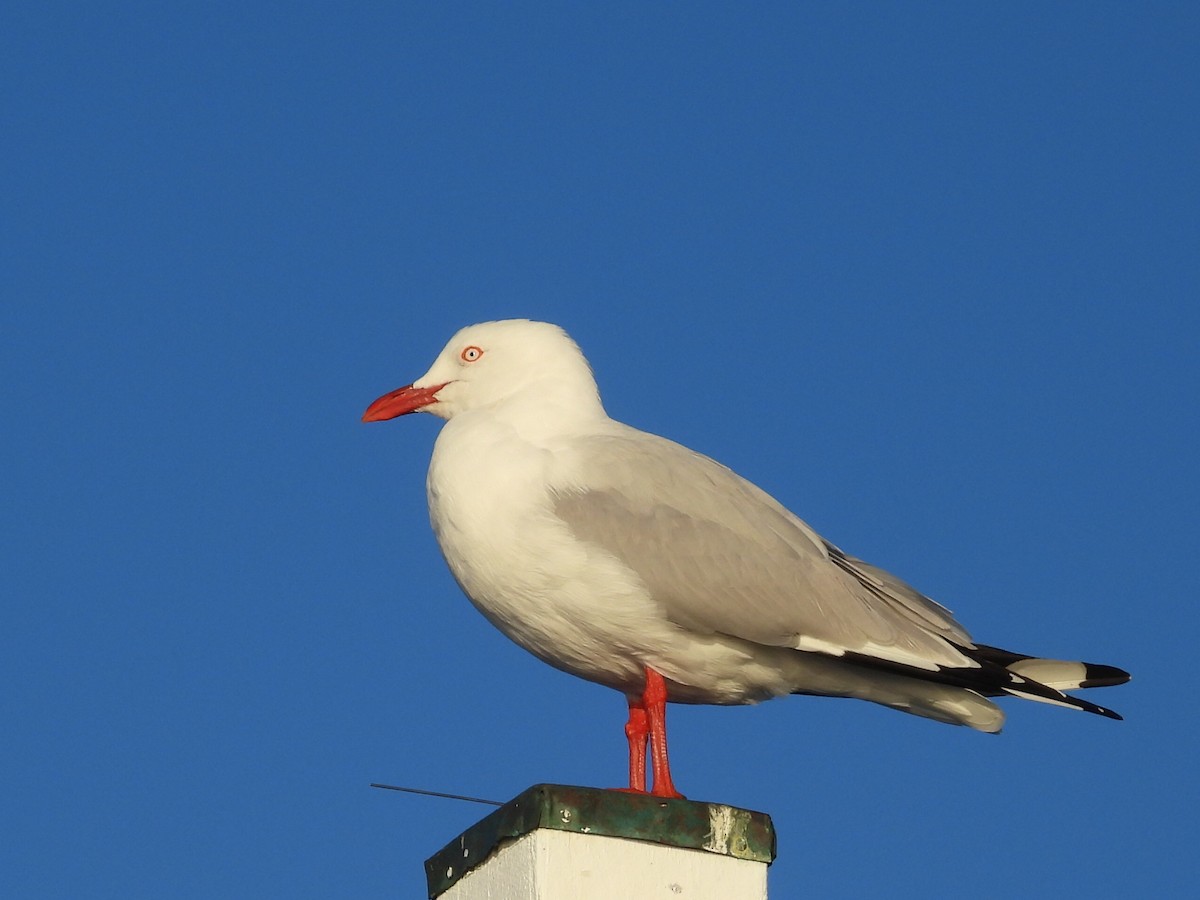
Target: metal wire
x=412, y=790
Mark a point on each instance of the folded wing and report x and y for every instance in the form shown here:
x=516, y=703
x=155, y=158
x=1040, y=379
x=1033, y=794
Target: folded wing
x=722, y=556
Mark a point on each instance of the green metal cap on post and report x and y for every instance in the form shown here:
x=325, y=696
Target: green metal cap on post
x=687, y=824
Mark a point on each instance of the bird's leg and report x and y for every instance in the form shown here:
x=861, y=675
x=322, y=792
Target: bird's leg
x=655, y=702
x=636, y=730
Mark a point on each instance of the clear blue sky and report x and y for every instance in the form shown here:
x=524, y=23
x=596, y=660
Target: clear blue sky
x=926, y=272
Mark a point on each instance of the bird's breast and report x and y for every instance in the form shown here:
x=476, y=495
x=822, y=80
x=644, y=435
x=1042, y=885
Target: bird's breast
x=491, y=506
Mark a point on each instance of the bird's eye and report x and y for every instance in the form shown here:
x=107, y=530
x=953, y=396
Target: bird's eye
x=470, y=354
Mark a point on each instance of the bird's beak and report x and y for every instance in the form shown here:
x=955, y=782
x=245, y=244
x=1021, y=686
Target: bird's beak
x=401, y=401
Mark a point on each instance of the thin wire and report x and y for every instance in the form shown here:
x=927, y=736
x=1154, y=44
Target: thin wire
x=410, y=790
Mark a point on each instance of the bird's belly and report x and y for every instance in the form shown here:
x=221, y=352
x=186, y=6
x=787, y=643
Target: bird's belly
x=563, y=621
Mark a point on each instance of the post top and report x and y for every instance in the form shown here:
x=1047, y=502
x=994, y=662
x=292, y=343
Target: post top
x=687, y=824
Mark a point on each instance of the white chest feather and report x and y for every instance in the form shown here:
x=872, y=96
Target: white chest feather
x=565, y=601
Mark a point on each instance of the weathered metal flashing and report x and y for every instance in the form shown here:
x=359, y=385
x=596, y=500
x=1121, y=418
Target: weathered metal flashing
x=688, y=824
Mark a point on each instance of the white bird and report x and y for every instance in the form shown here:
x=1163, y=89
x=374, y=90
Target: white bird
x=629, y=560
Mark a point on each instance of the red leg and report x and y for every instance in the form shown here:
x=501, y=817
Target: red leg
x=636, y=730
x=655, y=702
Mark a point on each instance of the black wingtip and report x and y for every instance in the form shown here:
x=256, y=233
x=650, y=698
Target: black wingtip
x=1087, y=706
x=1103, y=676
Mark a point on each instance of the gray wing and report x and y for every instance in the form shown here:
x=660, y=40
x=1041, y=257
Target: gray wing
x=722, y=556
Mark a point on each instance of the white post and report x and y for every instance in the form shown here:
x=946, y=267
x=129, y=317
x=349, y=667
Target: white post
x=555, y=842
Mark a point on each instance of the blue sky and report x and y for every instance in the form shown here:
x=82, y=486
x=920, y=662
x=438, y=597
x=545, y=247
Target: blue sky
x=926, y=272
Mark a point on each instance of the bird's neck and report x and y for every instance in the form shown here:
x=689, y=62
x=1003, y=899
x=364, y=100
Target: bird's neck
x=551, y=414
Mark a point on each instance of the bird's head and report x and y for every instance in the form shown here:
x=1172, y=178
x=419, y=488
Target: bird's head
x=494, y=363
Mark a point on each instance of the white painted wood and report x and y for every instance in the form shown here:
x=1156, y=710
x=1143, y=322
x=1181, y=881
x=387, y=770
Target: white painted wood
x=560, y=865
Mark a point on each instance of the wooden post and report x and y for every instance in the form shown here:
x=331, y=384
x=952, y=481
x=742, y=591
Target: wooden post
x=555, y=842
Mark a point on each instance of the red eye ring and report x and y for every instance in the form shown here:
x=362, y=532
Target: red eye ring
x=471, y=354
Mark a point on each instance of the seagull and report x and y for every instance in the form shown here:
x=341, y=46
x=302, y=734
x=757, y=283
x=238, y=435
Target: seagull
x=631, y=561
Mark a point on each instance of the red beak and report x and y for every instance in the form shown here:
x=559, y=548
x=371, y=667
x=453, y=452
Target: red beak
x=401, y=401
